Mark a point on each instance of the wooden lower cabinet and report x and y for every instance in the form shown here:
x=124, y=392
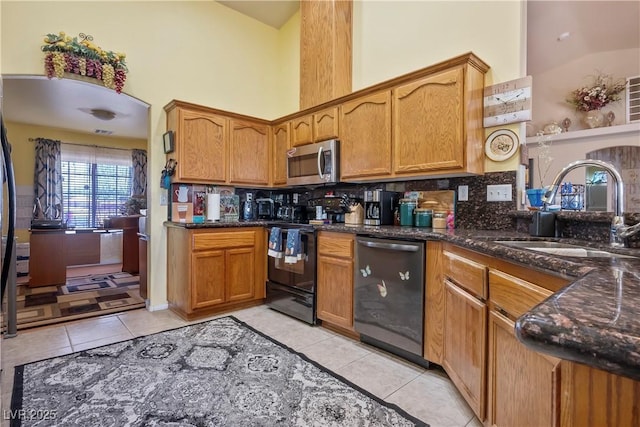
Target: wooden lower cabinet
x=465, y=340
x=595, y=398
x=504, y=382
x=47, y=259
x=334, y=283
x=210, y=271
x=523, y=385
x=465, y=327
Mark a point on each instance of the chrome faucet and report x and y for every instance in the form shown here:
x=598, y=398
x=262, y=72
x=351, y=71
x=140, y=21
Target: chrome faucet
x=618, y=229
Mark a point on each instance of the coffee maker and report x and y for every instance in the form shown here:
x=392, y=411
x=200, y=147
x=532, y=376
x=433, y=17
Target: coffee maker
x=378, y=207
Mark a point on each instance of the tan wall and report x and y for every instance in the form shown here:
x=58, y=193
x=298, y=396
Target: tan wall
x=23, y=152
x=205, y=53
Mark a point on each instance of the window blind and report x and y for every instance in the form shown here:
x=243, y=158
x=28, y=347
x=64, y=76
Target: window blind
x=95, y=155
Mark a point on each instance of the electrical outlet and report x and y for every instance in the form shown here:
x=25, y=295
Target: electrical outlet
x=499, y=193
x=463, y=193
x=164, y=197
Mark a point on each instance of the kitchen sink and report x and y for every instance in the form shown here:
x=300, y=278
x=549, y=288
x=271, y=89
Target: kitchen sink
x=561, y=249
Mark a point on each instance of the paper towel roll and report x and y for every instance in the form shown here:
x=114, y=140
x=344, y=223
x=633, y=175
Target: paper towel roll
x=213, y=207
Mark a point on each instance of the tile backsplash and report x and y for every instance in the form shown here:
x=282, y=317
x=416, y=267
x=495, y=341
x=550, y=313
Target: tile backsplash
x=474, y=213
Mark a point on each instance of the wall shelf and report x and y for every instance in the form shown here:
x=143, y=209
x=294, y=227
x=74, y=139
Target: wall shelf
x=629, y=128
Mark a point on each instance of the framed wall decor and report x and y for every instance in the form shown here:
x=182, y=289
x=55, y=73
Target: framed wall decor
x=168, y=142
x=507, y=102
x=501, y=145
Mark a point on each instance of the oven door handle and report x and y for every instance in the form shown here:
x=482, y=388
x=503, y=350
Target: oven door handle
x=390, y=246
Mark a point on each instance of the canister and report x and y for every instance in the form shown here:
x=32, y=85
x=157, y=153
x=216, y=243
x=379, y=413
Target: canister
x=406, y=211
x=439, y=219
x=422, y=217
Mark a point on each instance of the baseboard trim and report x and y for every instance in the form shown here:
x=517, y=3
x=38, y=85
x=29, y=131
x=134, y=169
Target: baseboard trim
x=157, y=307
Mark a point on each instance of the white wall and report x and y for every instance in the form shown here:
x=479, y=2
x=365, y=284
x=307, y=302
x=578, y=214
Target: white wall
x=552, y=88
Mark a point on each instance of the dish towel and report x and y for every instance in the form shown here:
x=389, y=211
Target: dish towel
x=293, y=252
x=275, y=243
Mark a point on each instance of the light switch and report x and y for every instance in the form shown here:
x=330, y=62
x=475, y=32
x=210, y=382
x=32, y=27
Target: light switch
x=499, y=193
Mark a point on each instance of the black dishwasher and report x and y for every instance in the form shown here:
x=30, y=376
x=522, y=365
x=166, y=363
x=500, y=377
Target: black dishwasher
x=389, y=295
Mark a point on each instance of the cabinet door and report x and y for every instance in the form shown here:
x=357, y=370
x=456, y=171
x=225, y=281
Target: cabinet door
x=325, y=124
x=334, y=291
x=240, y=277
x=365, y=136
x=465, y=345
x=301, y=131
x=594, y=398
x=249, y=153
x=208, y=278
x=280, y=141
x=428, y=124
x=47, y=259
x=201, y=147
x=523, y=384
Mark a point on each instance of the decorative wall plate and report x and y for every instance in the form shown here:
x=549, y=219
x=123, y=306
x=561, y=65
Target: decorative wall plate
x=501, y=145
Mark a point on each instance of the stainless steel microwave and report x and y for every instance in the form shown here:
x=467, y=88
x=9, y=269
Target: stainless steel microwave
x=317, y=163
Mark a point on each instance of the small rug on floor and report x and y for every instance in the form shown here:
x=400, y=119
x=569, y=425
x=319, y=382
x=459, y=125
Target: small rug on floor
x=80, y=297
x=216, y=373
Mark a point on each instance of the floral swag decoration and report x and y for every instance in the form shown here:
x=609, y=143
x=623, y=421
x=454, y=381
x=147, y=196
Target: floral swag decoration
x=64, y=54
x=603, y=90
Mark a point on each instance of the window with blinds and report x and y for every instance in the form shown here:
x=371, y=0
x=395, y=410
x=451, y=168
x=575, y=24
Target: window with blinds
x=96, y=181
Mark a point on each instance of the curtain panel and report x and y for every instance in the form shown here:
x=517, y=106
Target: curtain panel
x=139, y=175
x=47, y=180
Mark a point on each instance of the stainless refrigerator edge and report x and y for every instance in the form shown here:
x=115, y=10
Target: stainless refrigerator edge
x=8, y=255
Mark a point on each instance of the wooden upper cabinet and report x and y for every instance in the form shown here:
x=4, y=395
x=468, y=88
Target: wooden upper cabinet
x=437, y=123
x=319, y=126
x=325, y=51
x=365, y=136
x=249, y=153
x=200, y=145
x=325, y=124
x=428, y=123
x=280, y=136
x=301, y=131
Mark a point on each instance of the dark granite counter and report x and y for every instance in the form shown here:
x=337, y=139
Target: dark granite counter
x=594, y=320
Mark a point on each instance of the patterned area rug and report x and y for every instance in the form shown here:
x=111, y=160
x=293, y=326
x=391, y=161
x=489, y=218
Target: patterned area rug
x=80, y=297
x=216, y=373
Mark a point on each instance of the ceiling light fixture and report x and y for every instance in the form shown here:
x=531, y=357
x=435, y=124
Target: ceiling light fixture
x=101, y=114
x=564, y=36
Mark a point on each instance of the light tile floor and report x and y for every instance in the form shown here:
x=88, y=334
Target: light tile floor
x=427, y=394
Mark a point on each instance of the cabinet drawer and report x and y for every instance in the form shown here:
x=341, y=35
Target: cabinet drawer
x=514, y=295
x=336, y=245
x=467, y=274
x=223, y=240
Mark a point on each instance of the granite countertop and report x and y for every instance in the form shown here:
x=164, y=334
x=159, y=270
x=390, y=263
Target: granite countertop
x=594, y=320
